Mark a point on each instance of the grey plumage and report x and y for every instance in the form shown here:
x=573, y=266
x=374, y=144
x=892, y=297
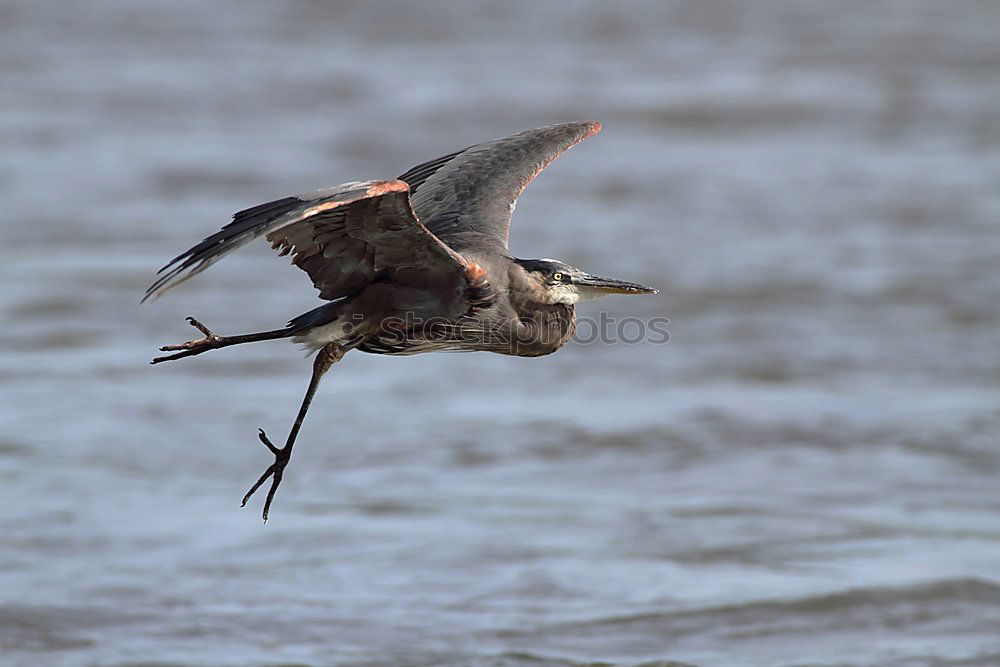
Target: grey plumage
x=410, y=265
x=367, y=227
x=468, y=199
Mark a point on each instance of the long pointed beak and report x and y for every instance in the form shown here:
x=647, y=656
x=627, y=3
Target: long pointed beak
x=612, y=286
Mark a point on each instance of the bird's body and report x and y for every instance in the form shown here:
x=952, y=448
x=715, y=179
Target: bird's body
x=411, y=265
x=517, y=326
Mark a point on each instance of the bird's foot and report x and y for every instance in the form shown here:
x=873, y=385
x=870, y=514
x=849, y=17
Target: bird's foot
x=192, y=347
x=275, y=471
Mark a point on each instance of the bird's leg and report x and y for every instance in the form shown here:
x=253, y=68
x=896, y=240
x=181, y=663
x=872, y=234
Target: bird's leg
x=212, y=341
x=326, y=358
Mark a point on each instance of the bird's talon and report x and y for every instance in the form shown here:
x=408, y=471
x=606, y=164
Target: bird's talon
x=275, y=471
x=201, y=327
x=192, y=347
x=267, y=443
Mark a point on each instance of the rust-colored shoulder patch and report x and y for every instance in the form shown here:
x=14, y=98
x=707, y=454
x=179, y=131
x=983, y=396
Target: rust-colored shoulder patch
x=385, y=187
x=479, y=293
x=319, y=208
x=474, y=272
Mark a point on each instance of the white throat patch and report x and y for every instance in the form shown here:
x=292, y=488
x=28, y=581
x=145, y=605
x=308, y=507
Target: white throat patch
x=572, y=294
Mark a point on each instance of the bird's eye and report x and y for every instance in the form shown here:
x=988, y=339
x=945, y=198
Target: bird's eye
x=557, y=277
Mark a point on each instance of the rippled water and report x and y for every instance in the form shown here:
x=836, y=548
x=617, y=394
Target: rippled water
x=806, y=474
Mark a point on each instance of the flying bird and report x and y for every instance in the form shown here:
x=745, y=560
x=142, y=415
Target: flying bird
x=411, y=265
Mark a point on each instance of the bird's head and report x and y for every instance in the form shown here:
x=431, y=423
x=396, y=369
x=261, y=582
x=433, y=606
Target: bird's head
x=553, y=281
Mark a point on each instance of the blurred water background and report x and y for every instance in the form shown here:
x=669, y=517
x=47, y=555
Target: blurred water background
x=807, y=474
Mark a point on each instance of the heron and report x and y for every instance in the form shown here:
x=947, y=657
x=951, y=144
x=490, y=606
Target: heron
x=411, y=265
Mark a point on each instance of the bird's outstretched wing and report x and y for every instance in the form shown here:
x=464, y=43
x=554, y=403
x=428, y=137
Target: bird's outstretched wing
x=466, y=198
x=343, y=237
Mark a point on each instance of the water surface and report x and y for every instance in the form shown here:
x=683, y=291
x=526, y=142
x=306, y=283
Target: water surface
x=806, y=474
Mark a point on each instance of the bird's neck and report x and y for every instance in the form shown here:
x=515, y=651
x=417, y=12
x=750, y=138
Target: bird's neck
x=544, y=328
